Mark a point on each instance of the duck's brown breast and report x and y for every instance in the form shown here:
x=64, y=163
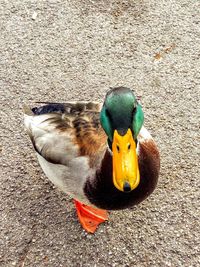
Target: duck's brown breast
x=102, y=193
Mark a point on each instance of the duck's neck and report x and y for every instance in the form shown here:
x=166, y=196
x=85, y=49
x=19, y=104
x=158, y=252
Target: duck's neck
x=102, y=193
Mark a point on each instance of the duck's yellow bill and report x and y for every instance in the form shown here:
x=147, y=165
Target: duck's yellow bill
x=126, y=176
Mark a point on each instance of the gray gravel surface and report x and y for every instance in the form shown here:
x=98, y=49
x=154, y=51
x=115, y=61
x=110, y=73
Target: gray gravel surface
x=75, y=50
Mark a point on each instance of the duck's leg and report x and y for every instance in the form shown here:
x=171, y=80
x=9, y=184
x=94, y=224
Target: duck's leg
x=90, y=217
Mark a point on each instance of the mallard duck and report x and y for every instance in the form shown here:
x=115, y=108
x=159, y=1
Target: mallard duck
x=100, y=155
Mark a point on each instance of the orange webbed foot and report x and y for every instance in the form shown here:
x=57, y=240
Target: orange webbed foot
x=90, y=217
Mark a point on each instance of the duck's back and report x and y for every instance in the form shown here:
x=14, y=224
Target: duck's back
x=69, y=142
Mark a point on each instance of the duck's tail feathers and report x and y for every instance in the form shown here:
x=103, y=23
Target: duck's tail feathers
x=27, y=110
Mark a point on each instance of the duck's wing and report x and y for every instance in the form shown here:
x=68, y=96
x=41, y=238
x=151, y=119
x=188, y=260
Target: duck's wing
x=63, y=131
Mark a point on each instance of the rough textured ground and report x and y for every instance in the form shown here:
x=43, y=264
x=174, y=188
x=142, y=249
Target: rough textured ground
x=51, y=50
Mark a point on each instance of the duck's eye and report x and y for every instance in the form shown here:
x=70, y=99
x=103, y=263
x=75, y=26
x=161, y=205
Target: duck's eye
x=129, y=146
x=117, y=148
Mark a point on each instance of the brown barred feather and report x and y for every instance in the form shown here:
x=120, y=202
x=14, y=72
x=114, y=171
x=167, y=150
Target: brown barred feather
x=90, y=137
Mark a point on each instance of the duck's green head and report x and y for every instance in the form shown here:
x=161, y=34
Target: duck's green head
x=122, y=118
